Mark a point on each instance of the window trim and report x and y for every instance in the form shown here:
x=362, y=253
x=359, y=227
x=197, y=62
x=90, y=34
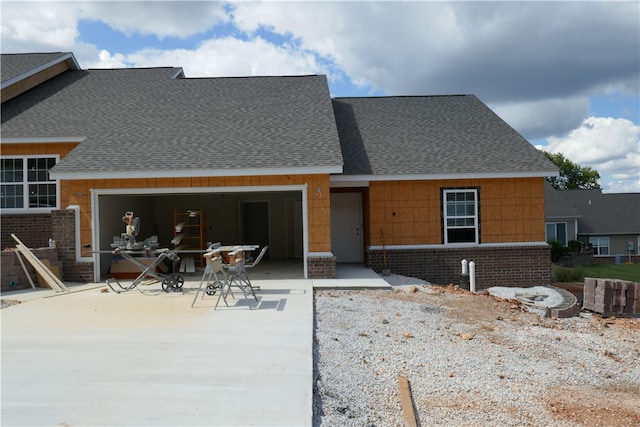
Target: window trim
x=555, y=223
x=443, y=214
x=598, y=246
x=25, y=182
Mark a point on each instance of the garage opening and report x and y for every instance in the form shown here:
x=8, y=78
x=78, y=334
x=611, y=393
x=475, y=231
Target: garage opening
x=229, y=216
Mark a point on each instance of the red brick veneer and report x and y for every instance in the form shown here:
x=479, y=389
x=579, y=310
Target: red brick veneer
x=520, y=266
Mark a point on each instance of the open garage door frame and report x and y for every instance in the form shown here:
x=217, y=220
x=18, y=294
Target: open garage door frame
x=95, y=208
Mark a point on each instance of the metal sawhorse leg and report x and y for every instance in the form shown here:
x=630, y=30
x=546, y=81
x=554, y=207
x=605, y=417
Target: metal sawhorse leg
x=237, y=277
x=210, y=278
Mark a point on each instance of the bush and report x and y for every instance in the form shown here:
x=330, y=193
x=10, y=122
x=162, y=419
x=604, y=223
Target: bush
x=564, y=274
x=575, y=246
x=557, y=250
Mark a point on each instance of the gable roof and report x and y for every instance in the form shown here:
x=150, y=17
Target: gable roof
x=556, y=205
x=453, y=136
x=153, y=122
x=603, y=214
x=146, y=123
x=18, y=66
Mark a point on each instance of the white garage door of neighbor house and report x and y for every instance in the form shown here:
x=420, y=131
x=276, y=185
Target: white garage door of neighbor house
x=346, y=227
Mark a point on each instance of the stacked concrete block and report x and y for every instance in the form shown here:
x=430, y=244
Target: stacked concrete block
x=12, y=275
x=608, y=296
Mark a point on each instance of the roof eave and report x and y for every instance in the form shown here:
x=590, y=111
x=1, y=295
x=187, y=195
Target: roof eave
x=43, y=140
x=194, y=173
x=444, y=176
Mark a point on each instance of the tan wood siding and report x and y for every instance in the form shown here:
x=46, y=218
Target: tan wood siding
x=78, y=193
x=409, y=212
x=32, y=81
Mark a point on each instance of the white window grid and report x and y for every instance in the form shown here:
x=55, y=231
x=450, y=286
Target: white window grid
x=461, y=212
x=31, y=190
x=600, y=246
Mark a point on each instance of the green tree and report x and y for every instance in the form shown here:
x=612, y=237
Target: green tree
x=572, y=175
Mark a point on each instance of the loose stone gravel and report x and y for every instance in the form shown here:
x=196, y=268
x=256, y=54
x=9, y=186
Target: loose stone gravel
x=471, y=359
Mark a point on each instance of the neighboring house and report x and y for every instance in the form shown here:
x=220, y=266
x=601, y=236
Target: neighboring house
x=609, y=223
x=561, y=216
x=415, y=183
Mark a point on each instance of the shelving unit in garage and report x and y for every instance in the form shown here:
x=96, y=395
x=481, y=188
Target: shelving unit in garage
x=189, y=233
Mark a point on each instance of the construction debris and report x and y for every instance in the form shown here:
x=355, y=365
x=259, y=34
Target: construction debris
x=406, y=401
x=48, y=277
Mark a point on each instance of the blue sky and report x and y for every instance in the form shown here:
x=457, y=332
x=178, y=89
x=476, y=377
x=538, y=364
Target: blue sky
x=566, y=75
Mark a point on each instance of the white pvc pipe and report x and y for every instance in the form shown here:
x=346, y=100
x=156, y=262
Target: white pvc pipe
x=472, y=276
x=464, y=267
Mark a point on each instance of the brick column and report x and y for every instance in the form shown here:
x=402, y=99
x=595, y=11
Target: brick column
x=321, y=267
x=63, y=227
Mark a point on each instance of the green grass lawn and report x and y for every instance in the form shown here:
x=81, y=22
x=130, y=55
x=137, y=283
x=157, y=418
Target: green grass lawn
x=605, y=271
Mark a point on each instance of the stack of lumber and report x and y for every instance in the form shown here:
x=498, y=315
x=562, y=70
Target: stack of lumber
x=45, y=275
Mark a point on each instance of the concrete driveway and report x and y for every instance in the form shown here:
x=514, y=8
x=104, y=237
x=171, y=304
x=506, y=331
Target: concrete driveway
x=138, y=359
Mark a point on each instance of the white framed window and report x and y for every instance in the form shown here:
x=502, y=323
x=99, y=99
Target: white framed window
x=556, y=231
x=600, y=245
x=460, y=215
x=25, y=184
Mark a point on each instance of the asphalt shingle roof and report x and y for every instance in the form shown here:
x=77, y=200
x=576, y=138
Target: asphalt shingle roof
x=455, y=134
x=13, y=65
x=608, y=213
x=145, y=120
x=556, y=205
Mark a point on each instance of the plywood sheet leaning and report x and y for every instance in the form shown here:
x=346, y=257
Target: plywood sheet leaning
x=50, y=279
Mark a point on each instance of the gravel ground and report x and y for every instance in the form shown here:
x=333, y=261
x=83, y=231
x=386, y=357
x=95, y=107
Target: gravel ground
x=471, y=360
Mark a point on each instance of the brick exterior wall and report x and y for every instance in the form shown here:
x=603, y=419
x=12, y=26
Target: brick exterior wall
x=34, y=230
x=321, y=267
x=520, y=266
x=63, y=227
x=12, y=275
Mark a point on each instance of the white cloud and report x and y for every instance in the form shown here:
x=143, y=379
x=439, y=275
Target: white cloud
x=535, y=63
x=382, y=44
x=539, y=119
x=609, y=145
x=106, y=60
x=504, y=52
x=223, y=57
x=158, y=18
x=51, y=25
x=501, y=51
x=34, y=26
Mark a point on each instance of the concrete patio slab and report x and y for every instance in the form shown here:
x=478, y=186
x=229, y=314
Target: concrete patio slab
x=148, y=359
x=352, y=276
